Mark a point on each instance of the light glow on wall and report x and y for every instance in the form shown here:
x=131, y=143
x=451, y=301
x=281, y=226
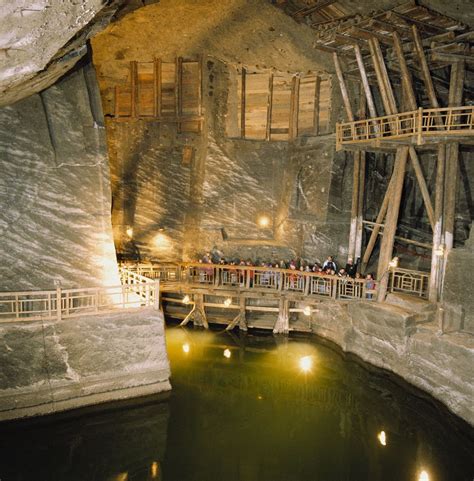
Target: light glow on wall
x=424, y=476
x=186, y=348
x=154, y=470
x=227, y=353
x=129, y=232
x=228, y=302
x=382, y=437
x=264, y=221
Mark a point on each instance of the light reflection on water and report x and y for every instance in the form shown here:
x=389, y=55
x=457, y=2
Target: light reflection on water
x=250, y=408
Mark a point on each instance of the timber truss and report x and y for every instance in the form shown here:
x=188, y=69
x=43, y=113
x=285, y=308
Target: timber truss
x=412, y=92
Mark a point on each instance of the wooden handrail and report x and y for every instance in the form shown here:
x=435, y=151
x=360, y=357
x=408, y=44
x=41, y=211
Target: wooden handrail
x=415, y=123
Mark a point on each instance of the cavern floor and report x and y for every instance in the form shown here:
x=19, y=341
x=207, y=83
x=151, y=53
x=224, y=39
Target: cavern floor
x=250, y=408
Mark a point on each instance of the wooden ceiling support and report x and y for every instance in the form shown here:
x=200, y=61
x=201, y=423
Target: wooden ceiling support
x=405, y=73
x=365, y=82
x=343, y=87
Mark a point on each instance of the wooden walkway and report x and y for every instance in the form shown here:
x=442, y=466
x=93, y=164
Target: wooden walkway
x=417, y=127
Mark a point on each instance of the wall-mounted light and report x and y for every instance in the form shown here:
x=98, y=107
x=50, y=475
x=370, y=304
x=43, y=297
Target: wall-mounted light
x=228, y=302
x=129, y=232
x=227, y=353
x=424, y=476
x=382, y=437
x=186, y=299
x=307, y=311
x=394, y=262
x=263, y=221
x=186, y=348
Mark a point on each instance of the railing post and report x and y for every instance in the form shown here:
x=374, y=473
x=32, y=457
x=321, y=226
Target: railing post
x=419, y=125
x=391, y=273
x=58, y=304
x=156, y=294
x=334, y=286
x=97, y=297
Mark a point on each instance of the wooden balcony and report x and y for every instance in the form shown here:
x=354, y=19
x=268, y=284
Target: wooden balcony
x=417, y=127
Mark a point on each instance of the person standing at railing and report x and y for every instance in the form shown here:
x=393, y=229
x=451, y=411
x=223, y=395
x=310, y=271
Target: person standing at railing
x=329, y=264
x=351, y=268
x=369, y=285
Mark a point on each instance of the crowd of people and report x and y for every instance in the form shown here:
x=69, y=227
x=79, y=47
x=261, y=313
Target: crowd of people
x=328, y=267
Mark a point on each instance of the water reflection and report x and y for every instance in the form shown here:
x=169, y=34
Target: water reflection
x=275, y=409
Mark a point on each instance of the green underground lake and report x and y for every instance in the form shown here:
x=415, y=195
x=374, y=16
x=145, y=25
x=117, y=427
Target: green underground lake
x=250, y=407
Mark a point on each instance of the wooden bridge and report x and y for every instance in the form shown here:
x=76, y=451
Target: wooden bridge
x=192, y=290
x=417, y=127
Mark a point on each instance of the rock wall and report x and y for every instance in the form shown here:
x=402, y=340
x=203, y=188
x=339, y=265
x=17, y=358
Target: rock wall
x=392, y=337
x=49, y=367
x=179, y=211
x=55, y=189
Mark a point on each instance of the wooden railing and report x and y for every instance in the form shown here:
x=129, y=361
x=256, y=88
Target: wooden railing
x=262, y=279
x=58, y=304
x=418, y=124
x=409, y=282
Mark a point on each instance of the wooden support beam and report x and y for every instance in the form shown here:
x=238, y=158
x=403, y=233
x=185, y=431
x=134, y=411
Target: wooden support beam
x=360, y=207
x=405, y=73
x=377, y=224
x=157, y=87
x=242, y=103
x=391, y=222
x=179, y=89
x=282, y=324
x=437, y=261
x=425, y=70
x=343, y=87
x=294, y=102
x=116, y=101
x=355, y=205
x=133, y=86
x=452, y=157
x=388, y=91
x=365, y=82
x=316, y=104
x=382, y=78
x=423, y=187
x=269, y=108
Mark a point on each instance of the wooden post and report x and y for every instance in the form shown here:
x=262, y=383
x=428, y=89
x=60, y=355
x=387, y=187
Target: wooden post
x=424, y=68
x=243, y=314
x=436, y=258
x=405, y=73
x=452, y=156
x=423, y=187
x=116, y=102
x=133, y=86
x=282, y=324
x=157, y=87
x=343, y=87
x=360, y=205
x=383, y=81
x=58, y=304
x=178, y=90
x=391, y=222
x=355, y=205
x=242, y=103
x=294, y=103
x=378, y=221
x=269, y=108
x=156, y=295
x=365, y=82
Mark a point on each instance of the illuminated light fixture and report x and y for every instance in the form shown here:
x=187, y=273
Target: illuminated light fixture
x=259, y=397
x=161, y=240
x=186, y=299
x=423, y=476
x=186, y=348
x=306, y=363
x=394, y=262
x=382, y=437
x=264, y=221
x=228, y=302
x=129, y=232
x=307, y=311
x=154, y=470
x=227, y=353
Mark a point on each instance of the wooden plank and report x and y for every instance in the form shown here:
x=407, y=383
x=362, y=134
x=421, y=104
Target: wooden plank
x=179, y=89
x=354, y=205
x=391, y=222
x=437, y=264
x=157, y=87
x=424, y=68
x=242, y=102
x=380, y=218
x=405, y=73
x=295, y=90
x=306, y=105
x=116, y=101
x=133, y=85
x=365, y=82
x=423, y=187
x=269, y=107
x=382, y=76
x=316, y=104
x=282, y=87
x=343, y=87
x=380, y=80
x=145, y=89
